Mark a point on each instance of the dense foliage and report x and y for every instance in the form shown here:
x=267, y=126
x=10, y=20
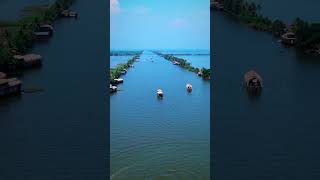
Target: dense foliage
x=308, y=35
x=116, y=72
x=186, y=65
x=19, y=37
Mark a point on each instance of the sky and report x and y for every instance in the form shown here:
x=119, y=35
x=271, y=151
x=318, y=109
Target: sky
x=160, y=24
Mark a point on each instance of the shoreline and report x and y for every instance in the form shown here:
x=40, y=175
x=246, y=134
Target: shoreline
x=18, y=37
x=300, y=34
x=203, y=72
x=121, y=69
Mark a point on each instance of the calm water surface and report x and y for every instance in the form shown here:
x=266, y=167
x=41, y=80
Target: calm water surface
x=276, y=135
x=12, y=9
x=61, y=133
x=155, y=138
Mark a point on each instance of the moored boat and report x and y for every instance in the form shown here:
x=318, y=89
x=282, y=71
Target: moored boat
x=118, y=80
x=176, y=63
x=289, y=38
x=113, y=88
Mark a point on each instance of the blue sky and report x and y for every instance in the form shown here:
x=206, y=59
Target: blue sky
x=160, y=24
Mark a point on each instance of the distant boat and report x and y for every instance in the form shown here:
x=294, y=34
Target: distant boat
x=160, y=93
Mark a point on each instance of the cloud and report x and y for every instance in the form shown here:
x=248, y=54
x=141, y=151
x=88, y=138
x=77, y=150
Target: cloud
x=114, y=6
x=178, y=22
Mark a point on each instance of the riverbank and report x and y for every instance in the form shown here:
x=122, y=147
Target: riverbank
x=121, y=69
x=303, y=35
x=203, y=72
x=18, y=37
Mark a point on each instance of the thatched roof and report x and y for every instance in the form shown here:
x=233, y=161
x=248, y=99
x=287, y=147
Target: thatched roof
x=250, y=75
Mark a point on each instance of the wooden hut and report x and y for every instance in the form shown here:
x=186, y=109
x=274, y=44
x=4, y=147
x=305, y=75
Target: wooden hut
x=289, y=38
x=10, y=86
x=253, y=81
x=29, y=60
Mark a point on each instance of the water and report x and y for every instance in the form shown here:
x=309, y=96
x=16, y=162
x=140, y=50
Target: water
x=288, y=10
x=61, y=133
x=276, y=135
x=116, y=60
x=12, y=9
x=155, y=138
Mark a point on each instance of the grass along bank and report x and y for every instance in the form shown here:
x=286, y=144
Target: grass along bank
x=121, y=69
x=203, y=72
x=17, y=37
x=304, y=35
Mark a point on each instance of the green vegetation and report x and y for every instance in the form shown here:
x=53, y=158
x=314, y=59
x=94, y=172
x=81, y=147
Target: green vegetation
x=115, y=73
x=248, y=13
x=307, y=34
x=17, y=36
x=186, y=65
x=125, y=53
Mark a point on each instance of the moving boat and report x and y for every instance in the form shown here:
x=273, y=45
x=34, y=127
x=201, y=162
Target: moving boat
x=253, y=81
x=160, y=93
x=189, y=87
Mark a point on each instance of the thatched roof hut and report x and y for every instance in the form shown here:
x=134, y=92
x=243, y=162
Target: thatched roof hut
x=253, y=81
